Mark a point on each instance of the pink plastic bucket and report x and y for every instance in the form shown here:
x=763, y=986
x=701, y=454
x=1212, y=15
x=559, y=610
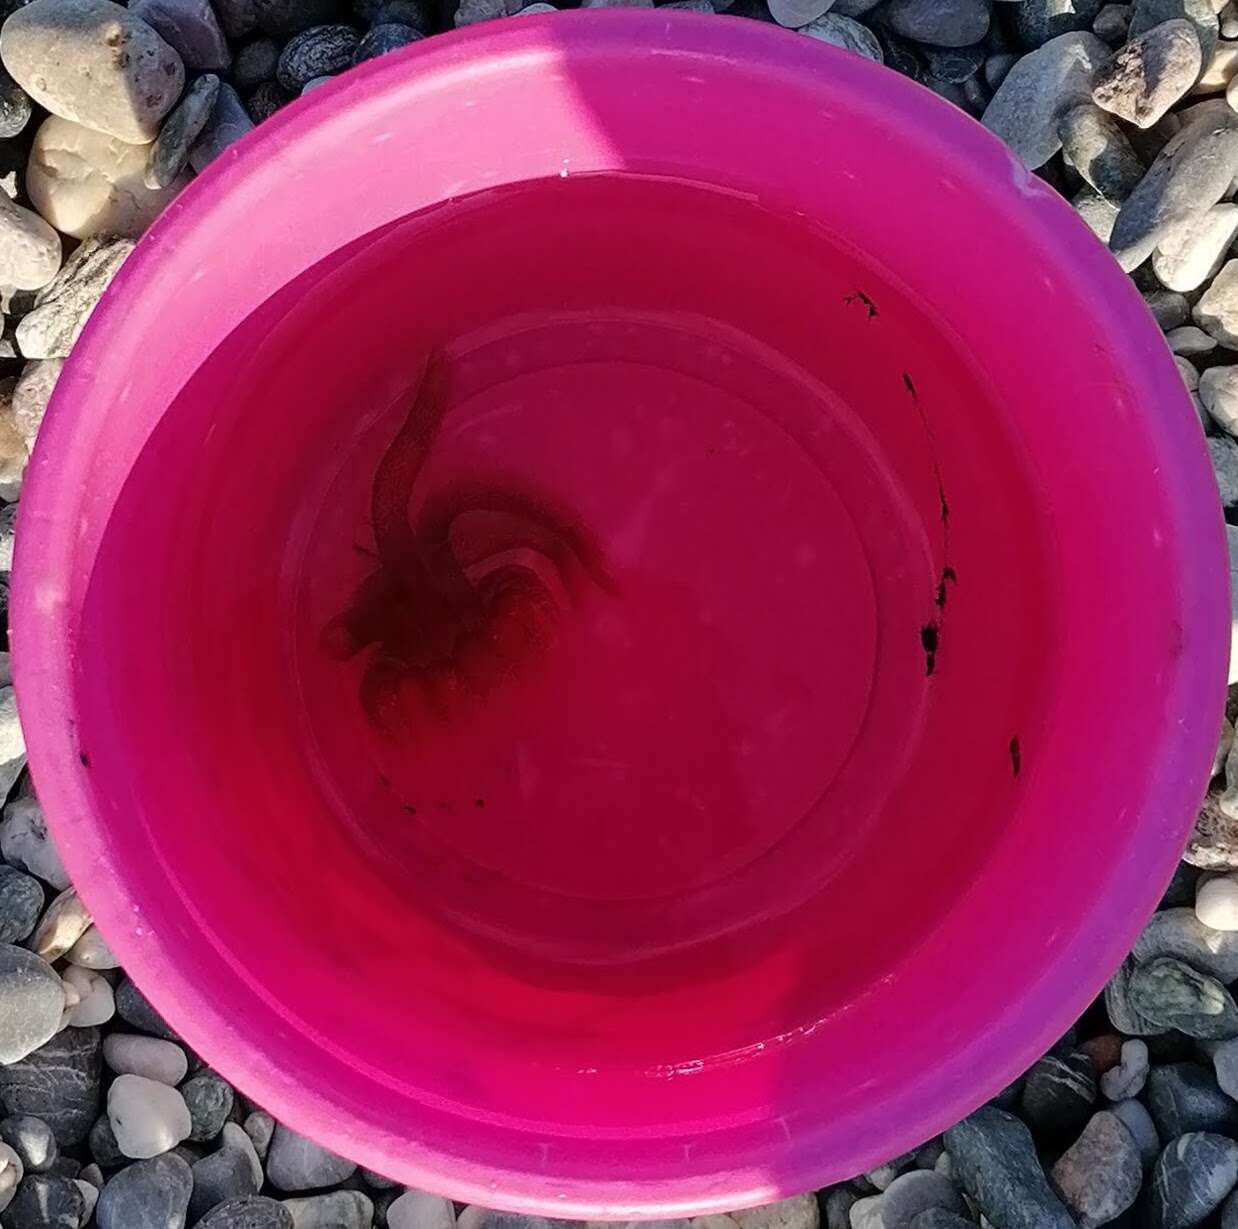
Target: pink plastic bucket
x=856, y=562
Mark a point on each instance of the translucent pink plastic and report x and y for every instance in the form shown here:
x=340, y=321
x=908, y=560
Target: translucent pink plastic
x=881, y=574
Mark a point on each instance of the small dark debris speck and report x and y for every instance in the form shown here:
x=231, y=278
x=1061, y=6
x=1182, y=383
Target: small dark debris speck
x=84, y=759
x=861, y=297
x=410, y=810
x=385, y=781
x=481, y=802
x=929, y=640
x=1016, y=756
x=909, y=385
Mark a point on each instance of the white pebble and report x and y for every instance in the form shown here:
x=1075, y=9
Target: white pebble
x=65, y=921
x=866, y=1213
x=150, y=1057
x=92, y=952
x=147, y=1117
x=417, y=1210
x=10, y=1175
x=25, y=841
x=90, y=1193
x=97, y=1003
x=1216, y=903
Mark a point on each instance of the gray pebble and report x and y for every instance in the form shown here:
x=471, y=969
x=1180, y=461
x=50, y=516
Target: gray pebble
x=1166, y=991
x=1150, y=73
x=1113, y=24
x=854, y=8
x=1095, y=145
x=1059, y=1093
x=1148, y=13
x=169, y=155
x=15, y=106
x=283, y=19
x=46, y=1201
x=229, y=1173
x=382, y=39
x=1214, y=841
x=1189, y=176
x=190, y=27
x=103, y=1146
x=1169, y=309
x=132, y=1007
x=1130, y=1075
x=318, y=52
x=1223, y=451
x=845, y=33
x=944, y=23
x=32, y=1139
x=21, y=903
x=377, y=1181
x=152, y=1194
x=12, y=742
x=996, y=1164
x=996, y=68
x=63, y=307
x=1100, y=1174
x=1189, y=340
x=338, y=1210
x=836, y=1207
x=864, y=1214
x=1135, y=1117
x=59, y=1083
x=228, y=123
x=883, y=1176
x=254, y=63
x=1190, y=1181
x=915, y=1192
x=249, y=1212
x=210, y=1099
x=1045, y=83
x=295, y=1163
x=31, y=1003
x=1037, y=21
x=1097, y=213
x=260, y=1127
x=1184, y=1097
x=954, y=64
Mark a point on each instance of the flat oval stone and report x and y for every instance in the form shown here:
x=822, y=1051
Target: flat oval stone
x=1176, y=996
x=151, y=1057
x=21, y=901
x=147, y=1117
x=1191, y=1180
x=58, y=1083
x=46, y=1201
x=1184, y=1097
x=249, y=1212
x=1100, y=1174
x=295, y=1163
x=31, y=1002
x=151, y=1194
x=95, y=63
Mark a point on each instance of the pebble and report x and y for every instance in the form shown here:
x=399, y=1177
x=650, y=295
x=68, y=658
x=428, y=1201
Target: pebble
x=90, y=1196
x=909, y=1195
x=295, y=1163
x=96, y=1003
x=210, y=1099
x=31, y=1002
x=1113, y=24
x=1097, y=213
x=92, y=1175
x=13, y=458
x=169, y=155
x=65, y=921
x=1188, y=177
x=151, y=1194
x=1225, y=1064
x=228, y=123
x=470, y=12
x=255, y=63
x=1184, y=1097
x=86, y=183
x=845, y=33
x=46, y=1201
x=1180, y=934
x=260, y=1127
x=384, y=38
x=1135, y=1117
x=996, y=1164
x=1168, y=308
x=91, y=951
x=147, y=1117
x=12, y=743
x=253, y=1212
x=881, y=1177
x=30, y=251
x=836, y=1208
x=797, y=1212
x=191, y=28
x=796, y=13
x=237, y=17
x=1214, y=841
x=150, y=1057
x=317, y=52
x=95, y=63
x=1216, y=902
x=864, y=1214
x=954, y=64
x=1218, y=390
x=1149, y=74
x=1224, y=453
x=21, y=903
x=269, y=97
x=1190, y=1180
x=59, y=1083
x=1217, y=310
x=1129, y=1076
x=1099, y=1176
x=417, y=1210
x=103, y=1146
x=1219, y=70
x=133, y=1008
x=31, y=1141
x=282, y=19
x=229, y=1173
x=1059, y=1093
x=11, y=1173
x=1095, y=145
x=1192, y=257
x=944, y=23
x=338, y=1210
x=1038, y=89
x=1188, y=339
x=1146, y=14
x=1037, y=21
